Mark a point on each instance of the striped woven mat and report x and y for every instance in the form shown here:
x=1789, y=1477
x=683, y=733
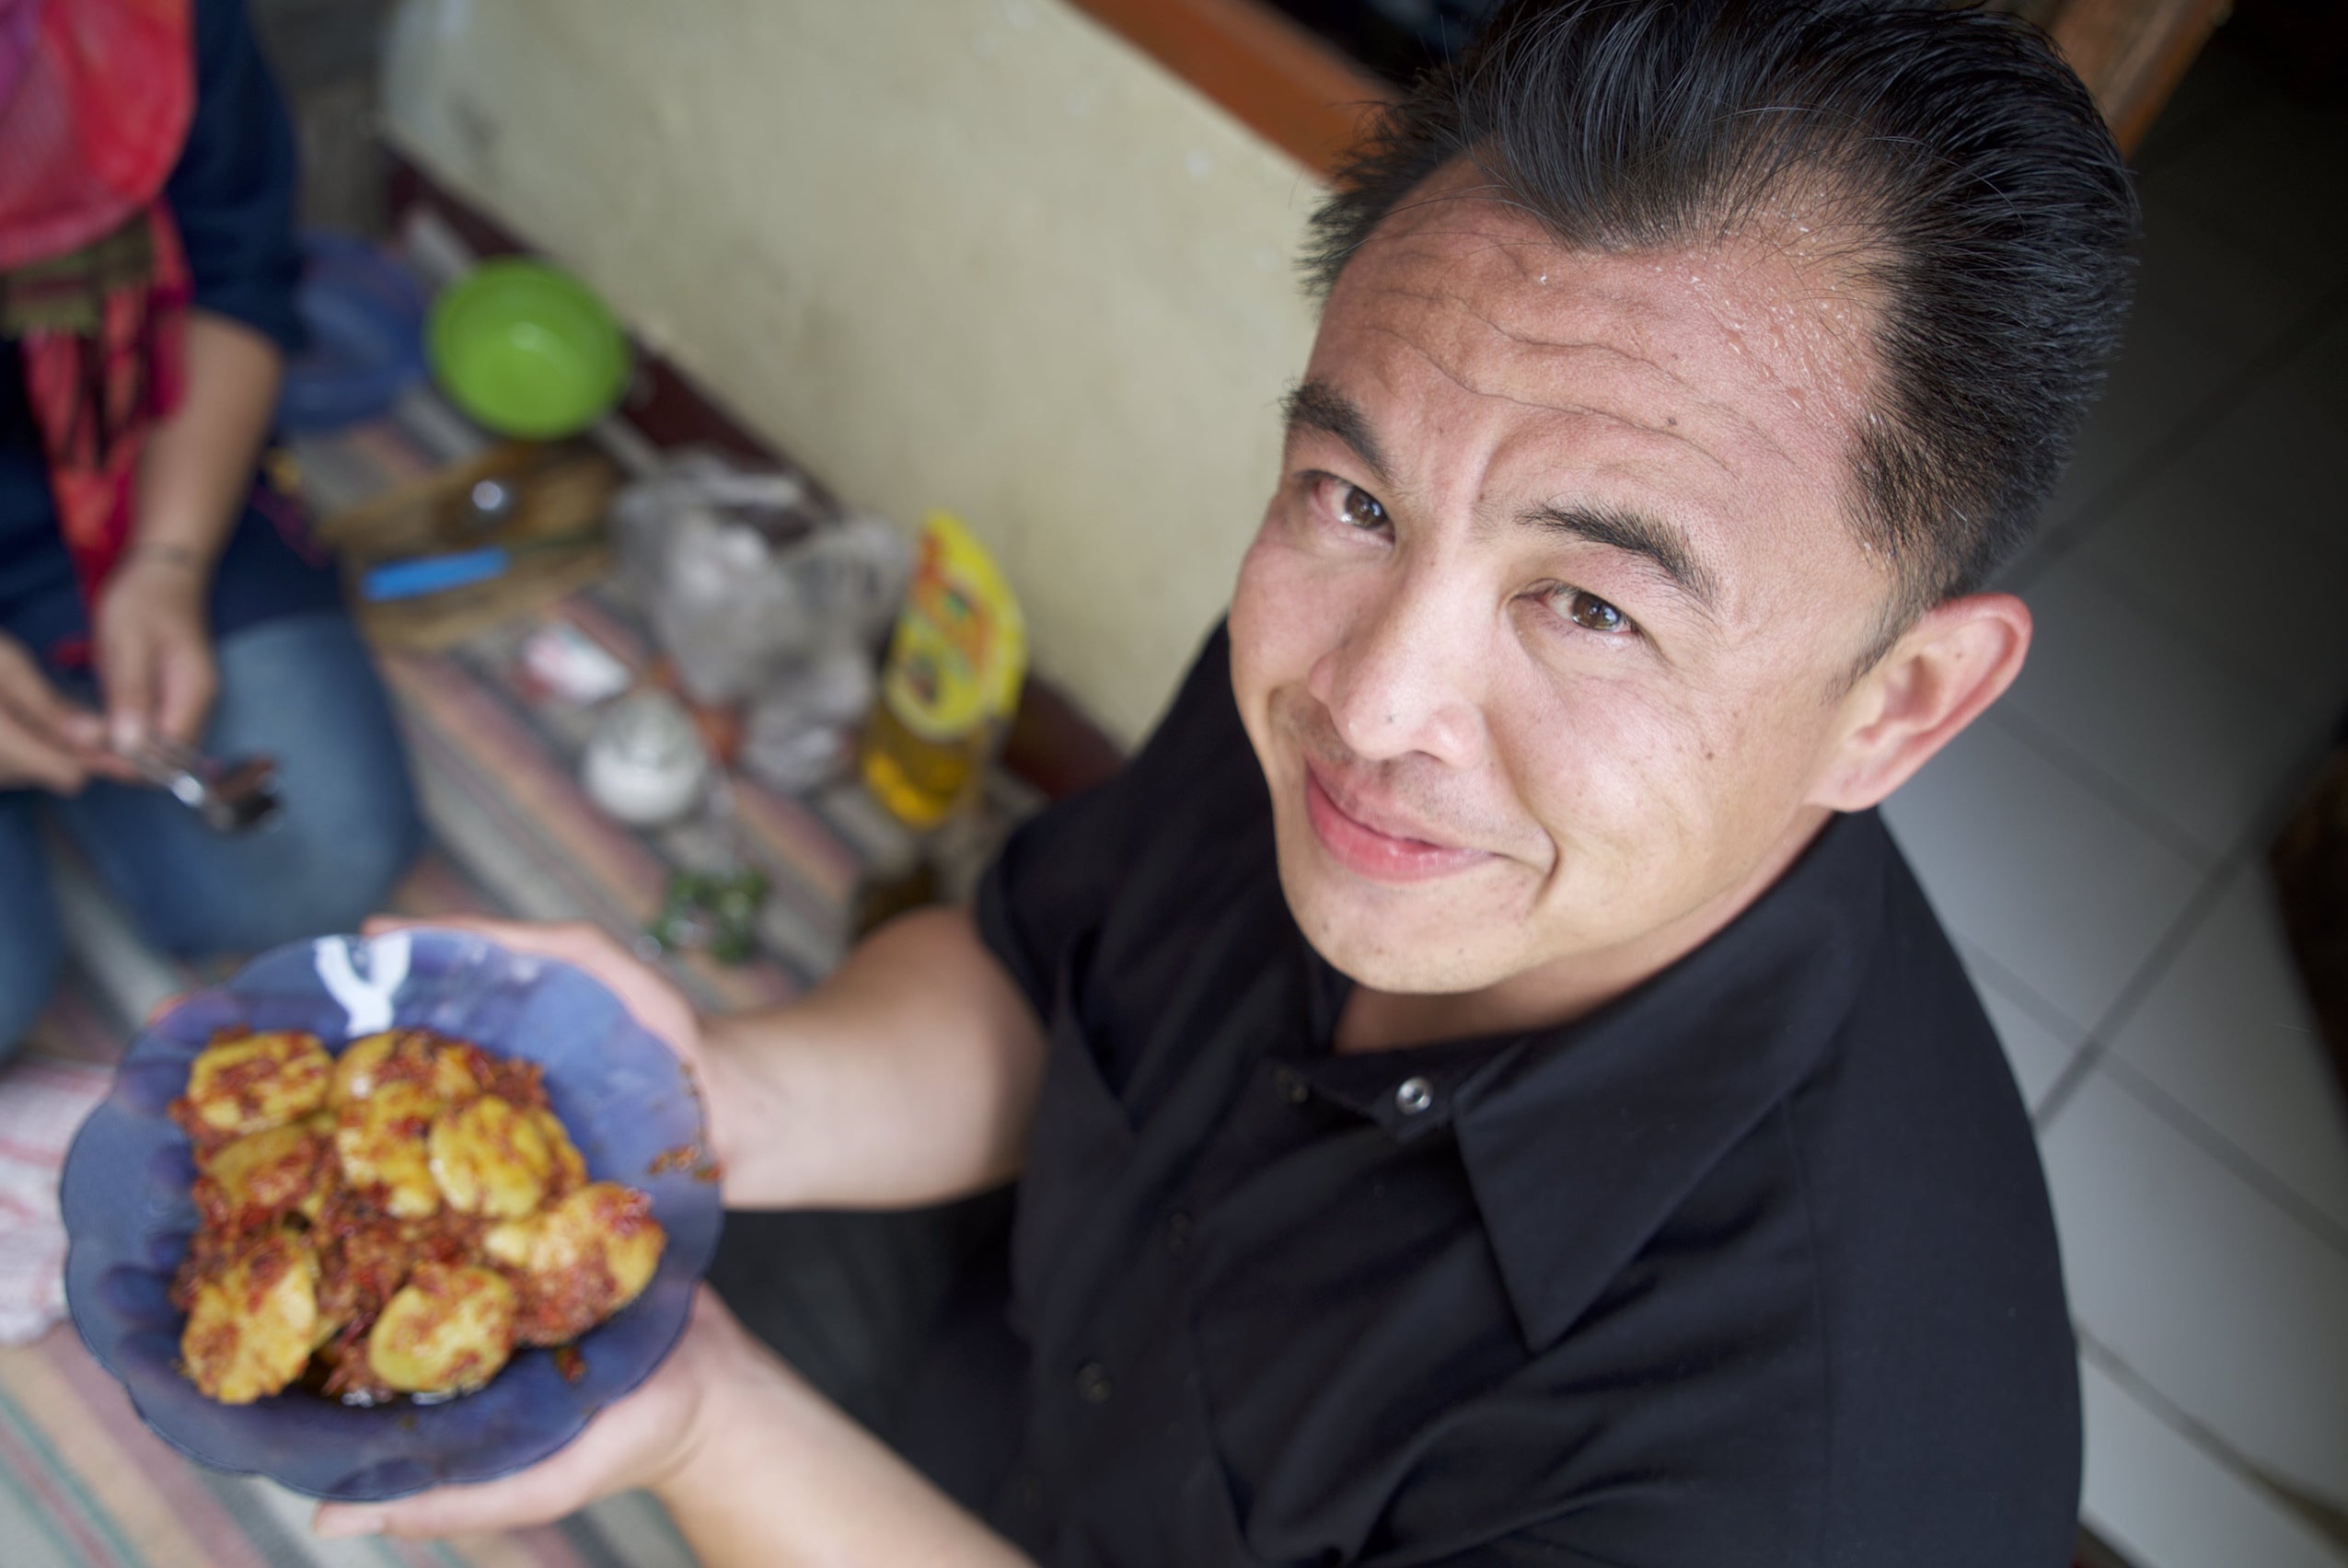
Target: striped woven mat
x=82, y=1481
x=84, y=1484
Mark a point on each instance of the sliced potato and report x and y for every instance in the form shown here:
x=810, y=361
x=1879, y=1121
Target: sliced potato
x=360, y=1065
x=570, y=1171
x=580, y=1260
x=380, y=1143
x=459, y=1072
x=252, y=1325
x=447, y=1331
x=265, y=1175
x=453, y=1071
x=490, y=1159
x=260, y=1080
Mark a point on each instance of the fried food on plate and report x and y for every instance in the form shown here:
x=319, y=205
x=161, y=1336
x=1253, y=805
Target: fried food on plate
x=447, y=1331
x=579, y=1261
x=491, y=1159
x=261, y=1177
x=395, y=1220
x=253, y=1323
x=380, y=1142
x=254, y=1082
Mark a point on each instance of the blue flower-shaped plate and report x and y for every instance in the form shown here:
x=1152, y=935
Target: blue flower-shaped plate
x=625, y=1098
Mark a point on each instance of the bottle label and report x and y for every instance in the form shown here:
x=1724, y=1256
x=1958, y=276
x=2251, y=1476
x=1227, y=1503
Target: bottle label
x=960, y=647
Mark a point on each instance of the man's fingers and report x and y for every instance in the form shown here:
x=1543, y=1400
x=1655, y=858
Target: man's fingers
x=644, y=991
x=547, y=1491
x=515, y=1503
x=574, y=942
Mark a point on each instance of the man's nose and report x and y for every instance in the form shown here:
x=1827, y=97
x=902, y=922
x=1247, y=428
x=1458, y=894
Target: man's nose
x=1406, y=676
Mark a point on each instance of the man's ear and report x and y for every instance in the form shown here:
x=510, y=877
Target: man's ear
x=1958, y=659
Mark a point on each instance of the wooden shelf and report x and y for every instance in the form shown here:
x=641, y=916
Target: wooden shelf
x=1288, y=85
x=1306, y=97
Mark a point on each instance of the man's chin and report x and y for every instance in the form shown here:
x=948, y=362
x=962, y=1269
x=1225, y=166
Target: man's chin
x=1383, y=944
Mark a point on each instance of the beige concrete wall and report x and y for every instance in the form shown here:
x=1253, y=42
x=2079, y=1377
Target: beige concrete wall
x=977, y=254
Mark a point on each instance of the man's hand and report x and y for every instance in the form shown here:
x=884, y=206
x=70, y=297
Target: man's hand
x=906, y=1077
x=640, y=1441
x=45, y=741
x=754, y=1465
x=154, y=649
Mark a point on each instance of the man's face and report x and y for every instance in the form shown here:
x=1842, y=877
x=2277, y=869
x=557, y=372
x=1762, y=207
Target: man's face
x=1542, y=641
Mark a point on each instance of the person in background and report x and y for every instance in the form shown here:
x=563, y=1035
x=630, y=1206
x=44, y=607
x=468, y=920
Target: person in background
x=150, y=585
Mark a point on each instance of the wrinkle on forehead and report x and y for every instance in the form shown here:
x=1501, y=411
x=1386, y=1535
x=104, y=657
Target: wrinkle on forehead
x=1550, y=405
x=1788, y=309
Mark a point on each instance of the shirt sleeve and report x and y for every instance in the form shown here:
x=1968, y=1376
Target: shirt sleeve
x=1048, y=886
x=232, y=193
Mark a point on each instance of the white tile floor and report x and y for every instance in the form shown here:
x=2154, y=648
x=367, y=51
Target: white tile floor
x=2097, y=845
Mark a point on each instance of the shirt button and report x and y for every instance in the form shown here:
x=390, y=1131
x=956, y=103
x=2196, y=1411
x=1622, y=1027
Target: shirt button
x=1030, y=1492
x=1415, y=1095
x=1178, y=1233
x=1092, y=1383
x=1293, y=1088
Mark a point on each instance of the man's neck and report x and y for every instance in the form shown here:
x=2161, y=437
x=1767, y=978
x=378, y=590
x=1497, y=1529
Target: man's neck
x=1570, y=986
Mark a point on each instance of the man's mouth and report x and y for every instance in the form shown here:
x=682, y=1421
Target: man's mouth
x=1390, y=851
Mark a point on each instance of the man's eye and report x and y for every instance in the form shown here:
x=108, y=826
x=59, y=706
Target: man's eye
x=1592, y=613
x=1360, y=509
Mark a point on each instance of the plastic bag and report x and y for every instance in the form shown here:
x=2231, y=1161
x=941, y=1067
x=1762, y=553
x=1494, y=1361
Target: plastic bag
x=745, y=582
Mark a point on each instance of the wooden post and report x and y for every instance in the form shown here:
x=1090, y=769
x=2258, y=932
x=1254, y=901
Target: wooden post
x=1273, y=75
x=2131, y=54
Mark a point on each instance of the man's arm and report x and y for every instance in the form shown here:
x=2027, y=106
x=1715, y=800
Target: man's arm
x=756, y=1467
x=908, y=1078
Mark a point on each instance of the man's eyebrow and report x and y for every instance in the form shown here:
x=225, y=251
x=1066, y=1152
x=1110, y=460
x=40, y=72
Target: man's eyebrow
x=1316, y=405
x=1664, y=544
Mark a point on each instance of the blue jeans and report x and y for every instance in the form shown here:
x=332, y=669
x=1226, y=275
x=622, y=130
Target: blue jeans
x=300, y=689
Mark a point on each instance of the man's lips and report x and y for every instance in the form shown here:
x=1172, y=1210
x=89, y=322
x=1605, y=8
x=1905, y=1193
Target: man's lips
x=1371, y=852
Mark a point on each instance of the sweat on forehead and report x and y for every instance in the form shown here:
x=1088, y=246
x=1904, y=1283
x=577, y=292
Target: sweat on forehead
x=1754, y=352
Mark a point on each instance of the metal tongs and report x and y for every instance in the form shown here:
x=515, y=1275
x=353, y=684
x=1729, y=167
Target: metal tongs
x=229, y=797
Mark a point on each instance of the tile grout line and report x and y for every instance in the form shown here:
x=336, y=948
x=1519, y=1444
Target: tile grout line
x=2149, y=973
x=2242, y=860
x=2046, y=1015
x=2061, y=540
x=2227, y=1152
x=2323, y=1517
x=2112, y=790
x=2020, y=991
x=2128, y=595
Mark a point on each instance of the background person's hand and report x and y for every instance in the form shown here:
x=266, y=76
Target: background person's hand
x=45, y=741
x=639, y=1441
x=154, y=649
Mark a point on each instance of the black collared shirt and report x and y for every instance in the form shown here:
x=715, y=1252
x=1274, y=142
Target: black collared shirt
x=1752, y=1267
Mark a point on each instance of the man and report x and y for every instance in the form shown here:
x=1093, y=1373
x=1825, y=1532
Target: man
x=1484, y=1088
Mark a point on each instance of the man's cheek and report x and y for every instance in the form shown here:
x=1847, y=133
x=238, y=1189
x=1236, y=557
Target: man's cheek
x=1285, y=618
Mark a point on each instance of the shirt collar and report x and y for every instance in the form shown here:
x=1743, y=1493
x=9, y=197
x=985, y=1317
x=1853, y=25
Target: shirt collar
x=1580, y=1141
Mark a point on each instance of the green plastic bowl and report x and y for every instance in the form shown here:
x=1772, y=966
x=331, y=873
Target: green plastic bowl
x=527, y=349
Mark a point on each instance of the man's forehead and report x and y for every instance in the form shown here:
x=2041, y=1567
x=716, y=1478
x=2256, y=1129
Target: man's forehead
x=1751, y=353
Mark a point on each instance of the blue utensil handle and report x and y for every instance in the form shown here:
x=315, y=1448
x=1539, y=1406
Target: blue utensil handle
x=432, y=574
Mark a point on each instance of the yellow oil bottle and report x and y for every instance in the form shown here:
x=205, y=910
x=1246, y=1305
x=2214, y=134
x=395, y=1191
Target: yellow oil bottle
x=951, y=681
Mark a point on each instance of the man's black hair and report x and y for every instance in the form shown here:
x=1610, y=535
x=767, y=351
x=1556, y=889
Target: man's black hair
x=1976, y=196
